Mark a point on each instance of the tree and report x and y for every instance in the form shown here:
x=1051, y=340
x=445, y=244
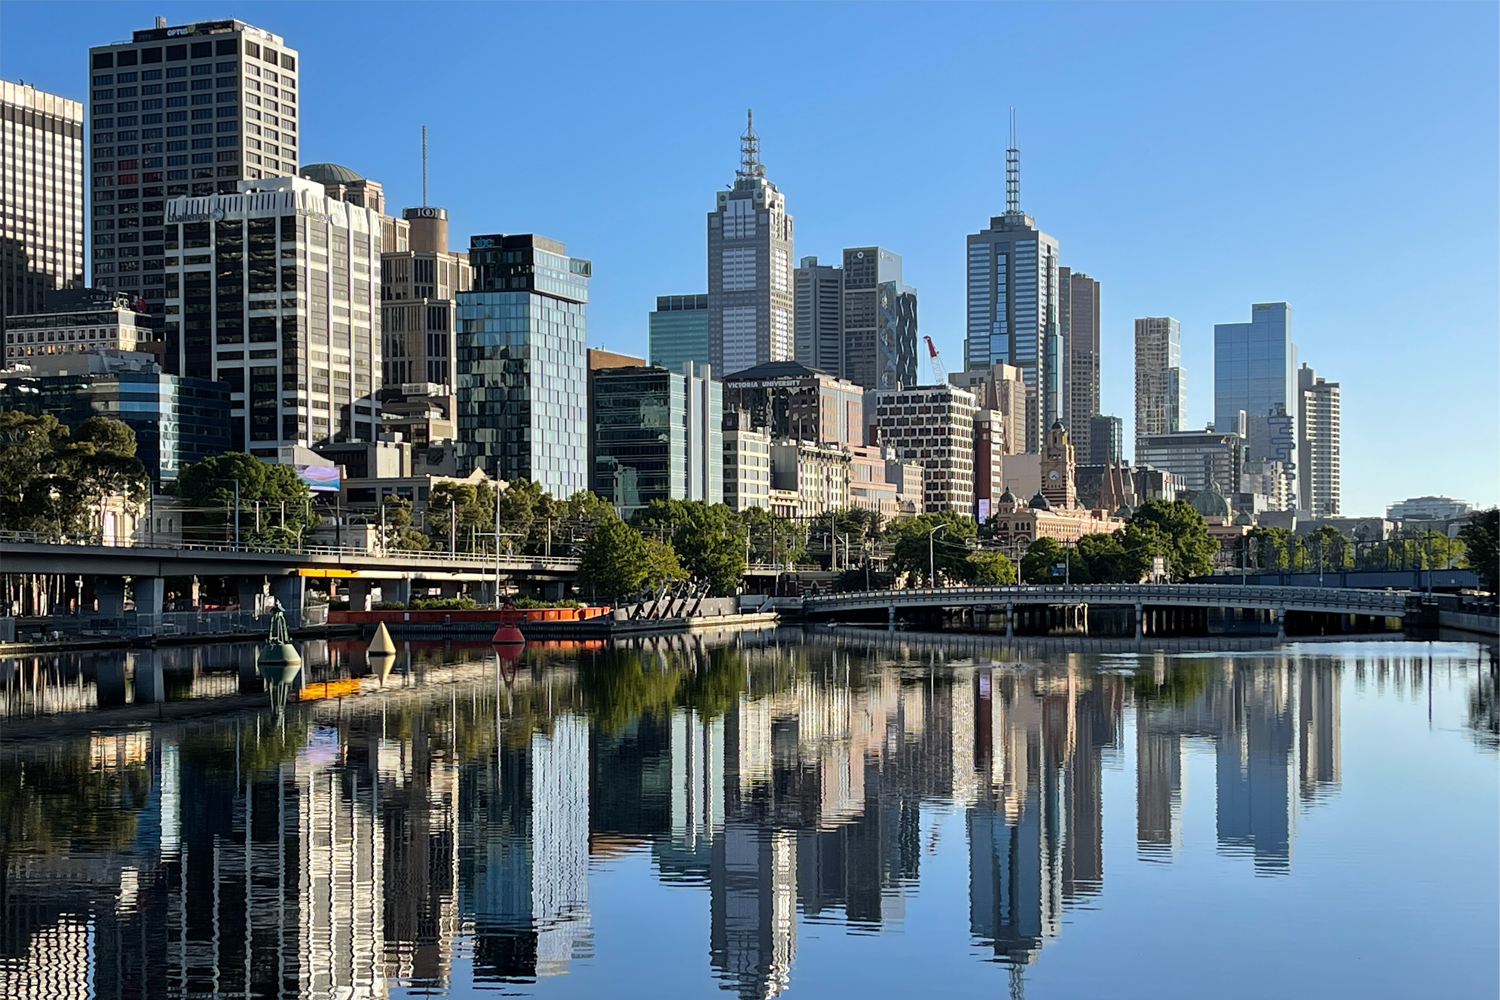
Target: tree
x=708, y=539
x=209, y=486
x=1479, y=536
x=1102, y=558
x=1176, y=532
x=1331, y=550
x=396, y=521
x=939, y=541
x=618, y=561
x=1042, y=556
x=773, y=539
x=458, y=512
x=992, y=569
x=52, y=479
x=576, y=518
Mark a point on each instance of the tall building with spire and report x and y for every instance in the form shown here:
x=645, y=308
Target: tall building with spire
x=751, y=299
x=1013, y=303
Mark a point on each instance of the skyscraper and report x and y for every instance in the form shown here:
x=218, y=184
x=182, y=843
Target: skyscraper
x=1013, y=302
x=677, y=331
x=880, y=320
x=522, y=389
x=41, y=229
x=1078, y=299
x=1106, y=439
x=1317, y=444
x=1255, y=372
x=750, y=298
x=1160, y=385
x=418, y=284
x=655, y=435
x=181, y=111
x=820, y=315
x=276, y=291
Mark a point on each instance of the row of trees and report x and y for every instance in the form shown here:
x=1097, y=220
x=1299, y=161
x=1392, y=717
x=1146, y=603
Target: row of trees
x=56, y=480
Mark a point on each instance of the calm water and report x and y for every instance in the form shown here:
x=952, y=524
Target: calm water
x=770, y=814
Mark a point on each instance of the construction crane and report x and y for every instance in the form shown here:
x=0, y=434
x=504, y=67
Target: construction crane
x=939, y=370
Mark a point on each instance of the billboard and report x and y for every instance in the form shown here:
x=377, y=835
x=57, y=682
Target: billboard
x=320, y=478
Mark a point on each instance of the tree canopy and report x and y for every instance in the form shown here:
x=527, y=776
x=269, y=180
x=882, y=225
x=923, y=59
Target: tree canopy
x=940, y=542
x=209, y=486
x=1480, y=537
x=55, y=480
x=708, y=539
x=619, y=562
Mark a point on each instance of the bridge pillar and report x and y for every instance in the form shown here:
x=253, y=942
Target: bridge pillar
x=290, y=591
x=1140, y=624
x=1281, y=623
x=150, y=593
x=484, y=593
x=251, y=590
x=890, y=611
x=359, y=594
x=109, y=591
x=1010, y=620
x=396, y=591
x=554, y=590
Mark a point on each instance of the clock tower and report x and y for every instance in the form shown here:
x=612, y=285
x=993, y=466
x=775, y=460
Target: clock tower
x=1057, y=469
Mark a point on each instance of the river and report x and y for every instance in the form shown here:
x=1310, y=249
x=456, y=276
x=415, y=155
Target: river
x=827, y=812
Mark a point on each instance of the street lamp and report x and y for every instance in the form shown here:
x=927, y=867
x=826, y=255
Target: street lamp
x=931, y=557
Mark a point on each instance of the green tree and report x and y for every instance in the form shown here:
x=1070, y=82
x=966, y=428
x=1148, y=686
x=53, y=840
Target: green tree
x=1042, y=556
x=52, y=479
x=1479, y=536
x=396, y=519
x=1103, y=558
x=1330, y=549
x=1176, y=532
x=940, y=542
x=774, y=539
x=459, y=513
x=619, y=562
x=991, y=569
x=208, y=486
x=574, y=519
x=708, y=539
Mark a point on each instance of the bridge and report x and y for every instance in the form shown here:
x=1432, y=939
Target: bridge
x=1145, y=600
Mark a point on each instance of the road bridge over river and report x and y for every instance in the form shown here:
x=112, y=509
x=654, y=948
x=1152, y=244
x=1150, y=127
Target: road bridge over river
x=1147, y=600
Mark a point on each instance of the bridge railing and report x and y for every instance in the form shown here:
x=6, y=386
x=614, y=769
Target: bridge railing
x=341, y=551
x=1216, y=594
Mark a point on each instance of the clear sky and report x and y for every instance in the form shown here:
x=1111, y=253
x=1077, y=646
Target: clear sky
x=1344, y=158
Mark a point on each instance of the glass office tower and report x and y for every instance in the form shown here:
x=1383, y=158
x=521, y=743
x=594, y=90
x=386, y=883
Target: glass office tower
x=1255, y=371
x=656, y=435
x=522, y=370
x=678, y=331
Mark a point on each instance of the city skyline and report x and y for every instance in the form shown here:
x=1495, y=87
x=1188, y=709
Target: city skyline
x=1222, y=265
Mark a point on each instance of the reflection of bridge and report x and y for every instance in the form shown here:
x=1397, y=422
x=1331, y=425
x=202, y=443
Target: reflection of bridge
x=1139, y=597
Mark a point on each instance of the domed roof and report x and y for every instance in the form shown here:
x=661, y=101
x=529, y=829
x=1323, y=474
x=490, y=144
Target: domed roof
x=1211, y=503
x=1243, y=518
x=1008, y=497
x=1057, y=425
x=1124, y=512
x=1040, y=502
x=328, y=173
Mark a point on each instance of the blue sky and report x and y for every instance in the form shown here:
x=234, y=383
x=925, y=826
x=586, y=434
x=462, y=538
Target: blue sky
x=1193, y=158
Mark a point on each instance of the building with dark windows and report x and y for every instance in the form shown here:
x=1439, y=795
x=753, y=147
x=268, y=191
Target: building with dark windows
x=176, y=420
x=1078, y=305
x=880, y=321
x=655, y=434
x=522, y=370
x=1106, y=440
x=791, y=400
x=77, y=320
x=1255, y=373
x=276, y=290
x=750, y=298
x=1013, y=305
x=1160, y=383
x=41, y=229
x=678, y=331
x=186, y=110
x=819, y=315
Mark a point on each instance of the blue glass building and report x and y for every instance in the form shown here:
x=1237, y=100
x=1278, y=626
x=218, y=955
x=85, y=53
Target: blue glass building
x=522, y=370
x=655, y=435
x=1255, y=371
x=678, y=331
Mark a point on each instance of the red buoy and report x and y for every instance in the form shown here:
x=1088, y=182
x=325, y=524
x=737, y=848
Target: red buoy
x=507, y=634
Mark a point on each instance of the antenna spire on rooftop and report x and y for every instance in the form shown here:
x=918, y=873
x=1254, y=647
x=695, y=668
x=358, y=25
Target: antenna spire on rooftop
x=424, y=166
x=1012, y=171
x=750, y=165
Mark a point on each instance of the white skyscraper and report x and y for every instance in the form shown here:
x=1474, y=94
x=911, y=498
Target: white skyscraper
x=751, y=301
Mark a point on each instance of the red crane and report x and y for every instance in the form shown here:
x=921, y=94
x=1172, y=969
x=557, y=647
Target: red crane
x=939, y=370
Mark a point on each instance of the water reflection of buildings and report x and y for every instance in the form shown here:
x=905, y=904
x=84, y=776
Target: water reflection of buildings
x=1274, y=726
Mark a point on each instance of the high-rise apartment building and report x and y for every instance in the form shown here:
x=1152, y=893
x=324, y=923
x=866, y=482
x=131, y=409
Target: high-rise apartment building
x=418, y=286
x=41, y=188
x=655, y=435
x=1317, y=444
x=522, y=375
x=880, y=321
x=181, y=111
x=1078, y=301
x=276, y=290
x=1160, y=384
x=934, y=426
x=1255, y=373
x=750, y=298
x=678, y=332
x=1013, y=304
x=820, y=315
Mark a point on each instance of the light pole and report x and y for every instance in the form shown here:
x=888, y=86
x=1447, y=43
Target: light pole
x=931, y=556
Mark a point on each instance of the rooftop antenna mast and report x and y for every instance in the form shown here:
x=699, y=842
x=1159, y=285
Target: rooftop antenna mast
x=1012, y=171
x=424, y=166
x=750, y=165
